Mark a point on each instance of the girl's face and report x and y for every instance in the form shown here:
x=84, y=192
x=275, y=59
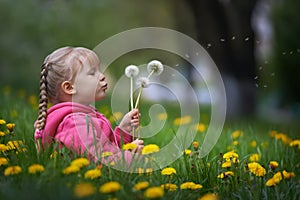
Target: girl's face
x=89, y=85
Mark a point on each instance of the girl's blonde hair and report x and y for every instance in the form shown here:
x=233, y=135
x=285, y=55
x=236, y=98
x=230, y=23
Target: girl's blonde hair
x=61, y=65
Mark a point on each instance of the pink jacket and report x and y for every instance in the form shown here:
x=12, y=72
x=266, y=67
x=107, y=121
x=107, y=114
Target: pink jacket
x=83, y=130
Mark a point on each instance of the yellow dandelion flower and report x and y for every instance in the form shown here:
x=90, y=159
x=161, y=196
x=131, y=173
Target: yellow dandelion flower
x=84, y=190
x=36, y=168
x=2, y=133
x=71, y=169
x=195, y=145
x=162, y=116
x=236, y=134
x=187, y=152
x=12, y=170
x=2, y=121
x=270, y=182
x=209, y=196
x=283, y=137
x=110, y=187
x=235, y=143
x=3, y=147
x=169, y=187
x=229, y=155
x=295, y=143
x=139, y=170
x=197, y=186
x=277, y=177
x=106, y=154
x=273, y=164
x=168, y=171
x=3, y=161
x=182, y=120
x=254, y=157
x=150, y=148
x=154, y=192
x=149, y=171
x=129, y=146
x=92, y=173
x=274, y=180
x=226, y=164
x=16, y=145
x=288, y=175
x=80, y=162
x=141, y=185
x=225, y=174
x=253, y=144
x=256, y=169
x=190, y=185
x=10, y=126
x=200, y=127
x=117, y=115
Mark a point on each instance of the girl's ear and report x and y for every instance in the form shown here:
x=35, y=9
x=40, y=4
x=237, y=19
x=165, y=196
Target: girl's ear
x=67, y=87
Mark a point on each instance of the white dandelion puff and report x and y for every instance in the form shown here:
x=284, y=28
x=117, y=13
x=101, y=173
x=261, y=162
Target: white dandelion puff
x=131, y=71
x=143, y=82
x=155, y=67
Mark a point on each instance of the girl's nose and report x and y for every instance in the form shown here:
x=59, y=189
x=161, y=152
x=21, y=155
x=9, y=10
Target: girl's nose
x=101, y=77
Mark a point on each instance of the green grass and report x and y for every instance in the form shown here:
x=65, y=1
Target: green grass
x=53, y=184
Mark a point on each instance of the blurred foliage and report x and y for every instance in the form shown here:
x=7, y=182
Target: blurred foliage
x=285, y=58
x=32, y=29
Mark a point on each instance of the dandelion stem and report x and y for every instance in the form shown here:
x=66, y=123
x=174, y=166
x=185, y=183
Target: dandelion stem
x=139, y=97
x=152, y=71
x=131, y=92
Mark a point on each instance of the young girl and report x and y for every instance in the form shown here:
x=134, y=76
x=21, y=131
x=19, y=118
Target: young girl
x=71, y=81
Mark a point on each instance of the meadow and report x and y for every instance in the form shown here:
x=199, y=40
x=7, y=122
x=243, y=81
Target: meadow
x=251, y=160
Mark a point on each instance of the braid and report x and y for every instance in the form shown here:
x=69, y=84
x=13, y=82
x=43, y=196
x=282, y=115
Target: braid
x=41, y=121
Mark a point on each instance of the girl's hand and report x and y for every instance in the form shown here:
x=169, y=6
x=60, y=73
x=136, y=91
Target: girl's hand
x=140, y=145
x=131, y=119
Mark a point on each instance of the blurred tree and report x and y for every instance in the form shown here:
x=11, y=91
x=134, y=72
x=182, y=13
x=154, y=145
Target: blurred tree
x=224, y=29
x=286, y=50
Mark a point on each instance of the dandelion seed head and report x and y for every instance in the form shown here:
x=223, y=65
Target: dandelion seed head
x=143, y=82
x=156, y=66
x=131, y=71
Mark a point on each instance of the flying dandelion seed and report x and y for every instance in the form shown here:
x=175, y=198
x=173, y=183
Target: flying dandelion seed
x=291, y=52
x=233, y=38
x=176, y=65
x=222, y=40
x=256, y=85
x=284, y=53
x=208, y=45
x=265, y=86
x=246, y=39
x=256, y=77
x=273, y=74
x=260, y=68
x=187, y=55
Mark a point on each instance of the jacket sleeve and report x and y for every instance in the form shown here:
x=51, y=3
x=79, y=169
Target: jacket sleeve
x=121, y=134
